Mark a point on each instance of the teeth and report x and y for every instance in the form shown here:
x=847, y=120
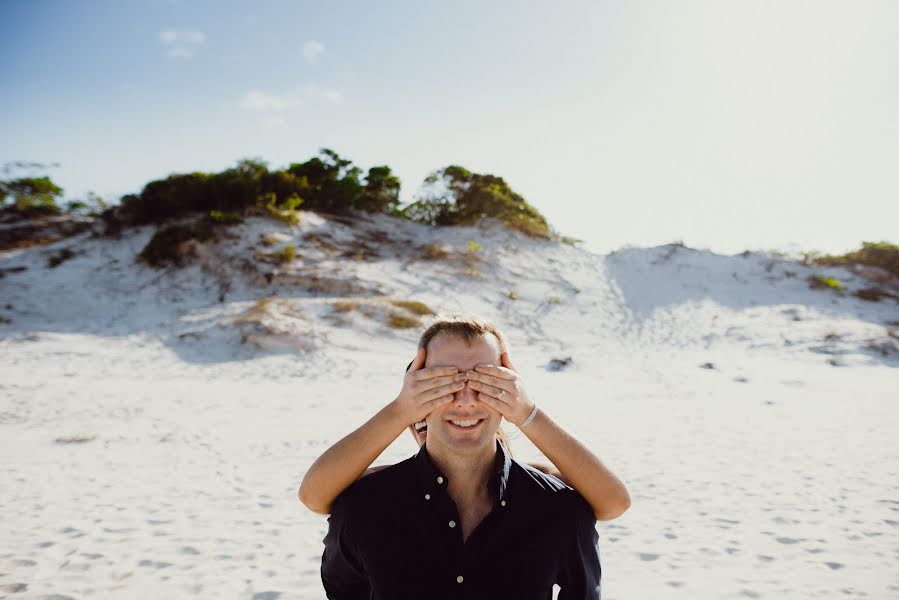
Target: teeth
x=466, y=423
x=420, y=426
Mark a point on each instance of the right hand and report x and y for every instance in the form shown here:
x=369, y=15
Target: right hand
x=425, y=390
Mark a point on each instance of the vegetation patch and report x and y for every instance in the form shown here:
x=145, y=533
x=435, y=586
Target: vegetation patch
x=414, y=306
x=169, y=245
x=225, y=218
x=821, y=282
x=398, y=321
x=883, y=255
x=284, y=255
x=872, y=294
x=433, y=252
x=59, y=257
x=456, y=196
x=382, y=310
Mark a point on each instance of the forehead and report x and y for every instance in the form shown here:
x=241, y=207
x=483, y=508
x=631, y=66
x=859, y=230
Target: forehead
x=450, y=351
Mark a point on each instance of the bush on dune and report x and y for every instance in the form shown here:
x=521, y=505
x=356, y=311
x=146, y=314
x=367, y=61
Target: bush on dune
x=456, y=196
x=883, y=255
x=29, y=197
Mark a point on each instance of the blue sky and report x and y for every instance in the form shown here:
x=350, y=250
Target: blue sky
x=728, y=125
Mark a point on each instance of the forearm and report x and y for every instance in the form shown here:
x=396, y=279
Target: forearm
x=581, y=469
x=346, y=461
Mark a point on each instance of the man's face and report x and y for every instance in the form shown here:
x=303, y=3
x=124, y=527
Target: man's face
x=466, y=424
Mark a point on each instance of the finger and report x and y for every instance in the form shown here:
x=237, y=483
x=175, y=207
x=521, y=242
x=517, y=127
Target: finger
x=505, y=384
x=497, y=405
x=430, y=372
x=440, y=391
x=432, y=405
x=430, y=384
x=506, y=361
x=418, y=362
x=500, y=372
x=498, y=393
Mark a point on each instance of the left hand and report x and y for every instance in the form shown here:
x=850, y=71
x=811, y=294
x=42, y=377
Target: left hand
x=500, y=388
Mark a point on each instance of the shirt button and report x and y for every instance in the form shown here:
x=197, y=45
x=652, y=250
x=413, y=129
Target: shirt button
x=452, y=524
x=440, y=480
x=427, y=496
x=502, y=503
x=460, y=579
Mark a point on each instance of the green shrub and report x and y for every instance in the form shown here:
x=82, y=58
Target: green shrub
x=819, y=281
x=167, y=245
x=285, y=255
x=285, y=212
x=31, y=196
x=225, y=218
x=873, y=254
x=456, y=196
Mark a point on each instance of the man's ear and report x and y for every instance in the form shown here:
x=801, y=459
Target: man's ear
x=504, y=361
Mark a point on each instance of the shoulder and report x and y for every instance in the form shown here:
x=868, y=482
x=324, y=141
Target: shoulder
x=548, y=490
x=374, y=486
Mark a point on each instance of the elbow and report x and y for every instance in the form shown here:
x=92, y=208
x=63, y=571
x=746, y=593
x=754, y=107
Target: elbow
x=311, y=502
x=614, y=510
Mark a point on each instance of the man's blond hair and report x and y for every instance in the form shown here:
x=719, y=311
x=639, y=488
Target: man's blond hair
x=462, y=326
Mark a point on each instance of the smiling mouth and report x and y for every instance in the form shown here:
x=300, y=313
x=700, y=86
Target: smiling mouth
x=421, y=427
x=465, y=423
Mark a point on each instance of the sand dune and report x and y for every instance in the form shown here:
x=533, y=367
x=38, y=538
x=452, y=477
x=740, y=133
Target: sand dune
x=155, y=425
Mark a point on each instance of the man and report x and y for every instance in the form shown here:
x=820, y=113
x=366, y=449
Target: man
x=461, y=519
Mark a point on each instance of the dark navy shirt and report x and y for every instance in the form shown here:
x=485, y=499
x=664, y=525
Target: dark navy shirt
x=396, y=534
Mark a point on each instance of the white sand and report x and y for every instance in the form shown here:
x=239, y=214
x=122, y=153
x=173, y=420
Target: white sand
x=774, y=474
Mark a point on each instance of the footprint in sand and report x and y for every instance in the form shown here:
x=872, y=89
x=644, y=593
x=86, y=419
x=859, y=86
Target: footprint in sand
x=647, y=556
x=13, y=588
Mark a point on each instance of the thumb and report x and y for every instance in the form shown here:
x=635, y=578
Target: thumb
x=504, y=360
x=419, y=361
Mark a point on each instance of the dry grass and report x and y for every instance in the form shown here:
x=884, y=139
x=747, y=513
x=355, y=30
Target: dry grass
x=261, y=308
x=414, y=306
x=433, y=252
x=381, y=310
x=398, y=321
x=344, y=306
x=268, y=239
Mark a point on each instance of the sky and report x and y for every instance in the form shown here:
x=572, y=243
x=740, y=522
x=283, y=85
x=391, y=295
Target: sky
x=725, y=125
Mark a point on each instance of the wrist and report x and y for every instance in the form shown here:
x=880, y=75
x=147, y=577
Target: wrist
x=396, y=416
x=529, y=417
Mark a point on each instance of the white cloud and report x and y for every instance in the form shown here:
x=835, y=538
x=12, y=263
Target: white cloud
x=312, y=50
x=181, y=43
x=260, y=101
x=273, y=103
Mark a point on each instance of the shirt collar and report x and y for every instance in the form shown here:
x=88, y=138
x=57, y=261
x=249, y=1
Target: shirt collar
x=431, y=479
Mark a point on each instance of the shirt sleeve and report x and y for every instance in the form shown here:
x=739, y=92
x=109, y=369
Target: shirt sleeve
x=580, y=575
x=342, y=573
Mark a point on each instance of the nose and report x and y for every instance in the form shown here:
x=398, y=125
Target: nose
x=466, y=397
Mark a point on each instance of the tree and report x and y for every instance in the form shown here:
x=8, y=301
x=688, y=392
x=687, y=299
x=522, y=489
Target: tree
x=334, y=185
x=382, y=191
x=456, y=196
x=34, y=195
